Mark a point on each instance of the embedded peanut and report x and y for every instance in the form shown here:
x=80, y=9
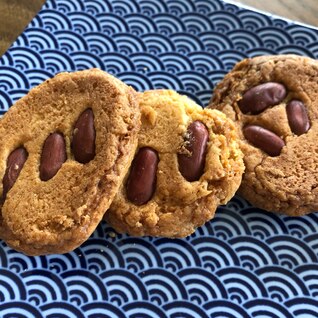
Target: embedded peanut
x=262, y=96
x=191, y=164
x=15, y=163
x=53, y=156
x=297, y=117
x=264, y=139
x=83, y=143
x=141, y=182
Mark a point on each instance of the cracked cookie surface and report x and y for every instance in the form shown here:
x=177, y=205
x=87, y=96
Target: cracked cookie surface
x=68, y=145
x=177, y=201
x=279, y=140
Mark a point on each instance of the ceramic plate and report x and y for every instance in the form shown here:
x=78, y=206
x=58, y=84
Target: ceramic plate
x=244, y=263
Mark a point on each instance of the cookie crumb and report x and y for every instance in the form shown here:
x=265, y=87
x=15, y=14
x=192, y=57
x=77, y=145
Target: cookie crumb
x=112, y=234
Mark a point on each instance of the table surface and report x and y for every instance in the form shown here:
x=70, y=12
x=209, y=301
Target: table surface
x=16, y=14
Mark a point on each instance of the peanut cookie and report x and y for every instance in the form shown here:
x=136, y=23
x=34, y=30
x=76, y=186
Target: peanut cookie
x=188, y=162
x=67, y=146
x=274, y=103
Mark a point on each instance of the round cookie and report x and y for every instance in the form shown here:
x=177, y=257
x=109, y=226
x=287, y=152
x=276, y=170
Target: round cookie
x=273, y=101
x=67, y=146
x=155, y=198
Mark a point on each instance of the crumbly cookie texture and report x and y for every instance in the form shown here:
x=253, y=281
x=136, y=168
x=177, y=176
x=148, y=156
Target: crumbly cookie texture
x=177, y=206
x=56, y=216
x=286, y=183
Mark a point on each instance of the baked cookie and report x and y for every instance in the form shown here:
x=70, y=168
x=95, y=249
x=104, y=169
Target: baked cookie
x=188, y=162
x=273, y=101
x=66, y=147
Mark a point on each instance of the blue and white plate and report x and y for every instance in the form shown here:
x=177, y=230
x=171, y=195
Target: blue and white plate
x=244, y=263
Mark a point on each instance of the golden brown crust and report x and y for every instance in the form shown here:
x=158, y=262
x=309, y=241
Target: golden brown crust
x=287, y=183
x=178, y=207
x=57, y=215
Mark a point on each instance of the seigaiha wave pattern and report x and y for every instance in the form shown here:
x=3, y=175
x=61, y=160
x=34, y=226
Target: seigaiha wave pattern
x=245, y=263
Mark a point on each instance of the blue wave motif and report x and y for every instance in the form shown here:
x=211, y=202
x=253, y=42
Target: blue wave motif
x=102, y=309
x=143, y=309
x=20, y=263
x=313, y=47
x=177, y=256
x=244, y=40
x=194, y=82
x=252, y=21
x=87, y=61
x=168, y=24
x=66, y=6
x=21, y=41
x=292, y=253
x=39, y=39
x=11, y=287
x=196, y=23
x=263, y=224
x=312, y=241
x=295, y=49
x=162, y=286
x=140, y=24
x=128, y=45
x=253, y=253
x=309, y=274
x=61, y=309
x=37, y=76
x=26, y=59
x=203, y=6
x=186, y=43
x=187, y=309
x=202, y=285
x=101, y=256
x=138, y=81
x=42, y=285
x=70, y=41
x=124, y=287
x=157, y=43
x=224, y=309
x=241, y=284
x=244, y=263
x=178, y=7
x=145, y=62
x=19, y=309
x=281, y=283
x=54, y=20
x=152, y=7
x=115, y=63
x=165, y=80
x=302, y=307
x=111, y=24
x=299, y=227
x=260, y=308
x=215, y=42
x=84, y=287
x=228, y=224
x=61, y=263
x=12, y=78
x=224, y=21
x=83, y=22
x=100, y=43
x=125, y=7
x=5, y=102
x=137, y=256
x=175, y=62
x=215, y=253
x=94, y=7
